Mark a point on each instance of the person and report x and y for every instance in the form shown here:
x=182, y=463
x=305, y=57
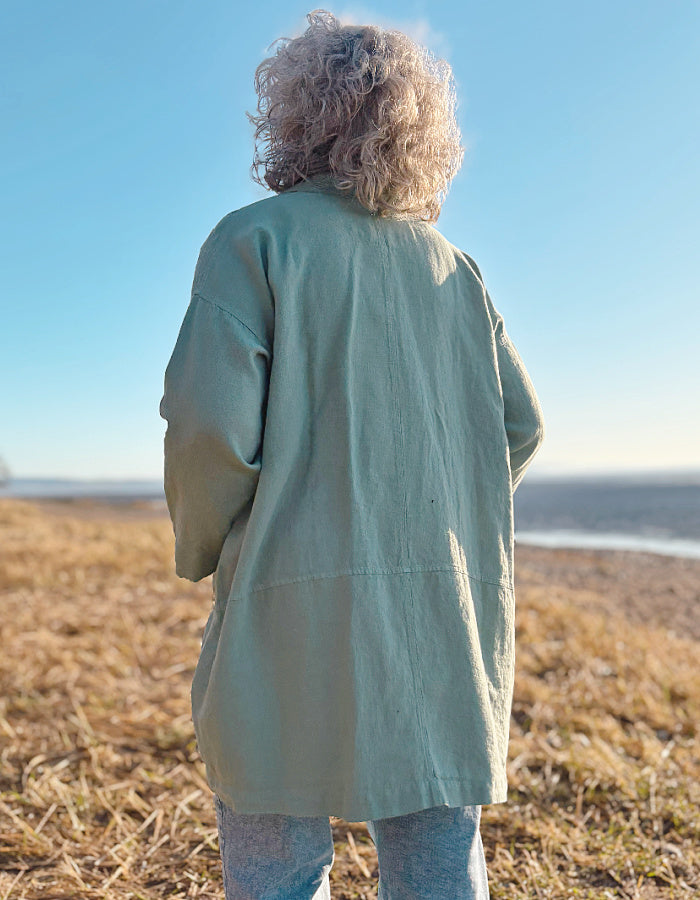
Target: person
x=347, y=419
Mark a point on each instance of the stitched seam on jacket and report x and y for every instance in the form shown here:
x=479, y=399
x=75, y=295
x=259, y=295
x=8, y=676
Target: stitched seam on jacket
x=372, y=570
x=232, y=315
x=393, y=368
x=393, y=347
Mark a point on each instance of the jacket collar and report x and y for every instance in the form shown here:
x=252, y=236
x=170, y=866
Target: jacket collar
x=325, y=183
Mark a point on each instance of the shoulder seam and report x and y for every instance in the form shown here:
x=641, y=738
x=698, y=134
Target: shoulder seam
x=232, y=316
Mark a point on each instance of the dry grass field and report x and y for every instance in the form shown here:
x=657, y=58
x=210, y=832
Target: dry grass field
x=102, y=794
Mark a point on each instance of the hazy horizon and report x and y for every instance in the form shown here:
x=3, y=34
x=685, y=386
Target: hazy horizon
x=669, y=474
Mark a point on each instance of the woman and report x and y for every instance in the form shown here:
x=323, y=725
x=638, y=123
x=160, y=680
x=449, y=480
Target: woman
x=347, y=420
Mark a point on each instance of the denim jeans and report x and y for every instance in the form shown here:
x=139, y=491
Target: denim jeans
x=434, y=854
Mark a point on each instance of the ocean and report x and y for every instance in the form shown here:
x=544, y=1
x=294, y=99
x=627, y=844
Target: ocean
x=655, y=514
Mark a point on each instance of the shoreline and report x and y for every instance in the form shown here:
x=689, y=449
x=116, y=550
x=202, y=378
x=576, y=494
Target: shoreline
x=572, y=539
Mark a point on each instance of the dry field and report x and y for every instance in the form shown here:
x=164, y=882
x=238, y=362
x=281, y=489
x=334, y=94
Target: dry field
x=102, y=794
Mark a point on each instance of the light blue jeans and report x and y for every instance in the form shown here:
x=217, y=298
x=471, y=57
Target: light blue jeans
x=434, y=854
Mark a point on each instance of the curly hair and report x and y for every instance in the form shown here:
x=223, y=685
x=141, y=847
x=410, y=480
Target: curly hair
x=365, y=105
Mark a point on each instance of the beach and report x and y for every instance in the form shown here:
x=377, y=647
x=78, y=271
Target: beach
x=102, y=793
x=645, y=588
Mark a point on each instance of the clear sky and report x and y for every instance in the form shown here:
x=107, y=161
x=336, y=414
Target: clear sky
x=125, y=140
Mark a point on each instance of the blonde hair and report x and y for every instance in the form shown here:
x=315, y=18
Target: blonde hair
x=370, y=107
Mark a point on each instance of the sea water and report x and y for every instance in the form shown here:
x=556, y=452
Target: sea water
x=655, y=515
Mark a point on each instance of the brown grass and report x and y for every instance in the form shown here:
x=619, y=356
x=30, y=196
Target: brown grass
x=102, y=793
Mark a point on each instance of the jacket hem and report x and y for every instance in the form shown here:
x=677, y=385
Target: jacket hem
x=332, y=800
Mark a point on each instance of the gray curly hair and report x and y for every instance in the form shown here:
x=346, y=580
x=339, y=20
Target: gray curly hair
x=368, y=106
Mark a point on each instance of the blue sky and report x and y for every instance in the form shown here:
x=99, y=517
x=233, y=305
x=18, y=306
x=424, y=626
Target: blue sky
x=126, y=140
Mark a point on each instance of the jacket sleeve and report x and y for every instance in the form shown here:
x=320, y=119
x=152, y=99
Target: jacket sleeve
x=522, y=414
x=214, y=403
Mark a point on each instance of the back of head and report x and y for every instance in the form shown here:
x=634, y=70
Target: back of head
x=368, y=106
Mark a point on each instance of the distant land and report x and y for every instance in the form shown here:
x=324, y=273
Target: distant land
x=621, y=476
x=95, y=489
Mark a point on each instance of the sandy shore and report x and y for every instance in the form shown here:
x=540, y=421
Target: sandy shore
x=662, y=591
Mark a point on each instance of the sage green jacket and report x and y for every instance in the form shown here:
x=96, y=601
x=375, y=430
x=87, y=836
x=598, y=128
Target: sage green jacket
x=347, y=420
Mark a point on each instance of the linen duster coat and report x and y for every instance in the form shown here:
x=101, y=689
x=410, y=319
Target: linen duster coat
x=347, y=420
